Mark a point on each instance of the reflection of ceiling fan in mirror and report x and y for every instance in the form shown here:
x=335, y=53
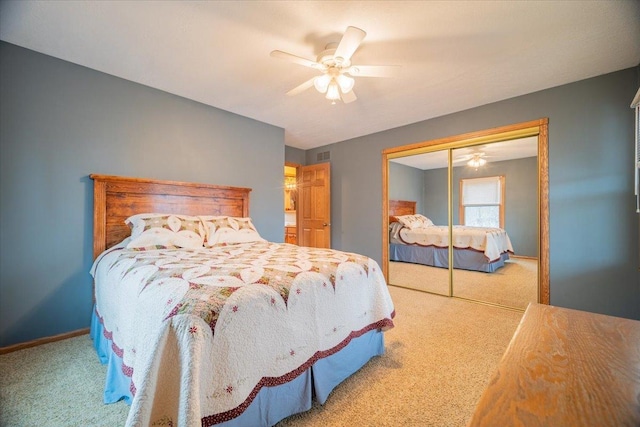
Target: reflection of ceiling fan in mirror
x=475, y=160
x=492, y=152
x=336, y=80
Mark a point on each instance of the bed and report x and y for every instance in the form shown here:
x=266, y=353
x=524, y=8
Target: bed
x=202, y=322
x=415, y=239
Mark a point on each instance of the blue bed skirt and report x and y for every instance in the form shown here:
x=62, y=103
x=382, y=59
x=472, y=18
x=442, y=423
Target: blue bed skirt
x=271, y=404
x=466, y=259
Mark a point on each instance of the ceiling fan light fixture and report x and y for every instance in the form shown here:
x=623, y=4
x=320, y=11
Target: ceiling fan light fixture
x=345, y=82
x=333, y=91
x=337, y=78
x=321, y=83
x=476, y=162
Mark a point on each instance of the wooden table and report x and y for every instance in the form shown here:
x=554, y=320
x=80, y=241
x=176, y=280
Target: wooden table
x=566, y=368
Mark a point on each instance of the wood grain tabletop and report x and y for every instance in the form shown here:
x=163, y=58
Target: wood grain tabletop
x=566, y=367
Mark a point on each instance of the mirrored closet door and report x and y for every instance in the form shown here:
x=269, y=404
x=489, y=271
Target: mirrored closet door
x=495, y=217
x=468, y=216
x=418, y=186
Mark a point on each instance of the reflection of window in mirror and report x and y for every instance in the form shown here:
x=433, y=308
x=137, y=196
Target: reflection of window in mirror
x=482, y=201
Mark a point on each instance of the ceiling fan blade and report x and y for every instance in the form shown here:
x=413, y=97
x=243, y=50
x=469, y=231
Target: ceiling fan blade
x=349, y=97
x=296, y=59
x=304, y=86
x=349, y=43
x=374, y=70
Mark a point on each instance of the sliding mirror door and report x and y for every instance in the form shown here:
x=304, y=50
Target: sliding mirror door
x=418, y=193
x=484, y=207
x=495, y=217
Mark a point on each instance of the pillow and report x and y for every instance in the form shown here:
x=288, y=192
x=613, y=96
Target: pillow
x=165, y=231
x=223, y=230
x=414, y=221
x=426, y=222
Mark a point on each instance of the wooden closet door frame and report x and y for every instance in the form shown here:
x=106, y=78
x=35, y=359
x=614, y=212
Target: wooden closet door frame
x=535, y=127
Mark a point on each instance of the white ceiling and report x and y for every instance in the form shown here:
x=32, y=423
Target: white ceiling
x=454, y=55
x=492, y=152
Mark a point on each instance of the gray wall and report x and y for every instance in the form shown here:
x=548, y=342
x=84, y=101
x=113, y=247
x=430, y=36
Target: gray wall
x=406, y=183
x=61, y=122
x=593, y=224
x=294, y=155
x=436, y=198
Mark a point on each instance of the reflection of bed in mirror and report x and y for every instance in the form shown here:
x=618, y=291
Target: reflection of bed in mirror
x=414, y=239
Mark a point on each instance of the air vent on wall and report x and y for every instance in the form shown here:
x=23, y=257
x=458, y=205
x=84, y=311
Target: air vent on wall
x=323, y=156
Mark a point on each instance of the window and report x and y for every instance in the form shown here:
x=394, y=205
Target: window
x=482, y=202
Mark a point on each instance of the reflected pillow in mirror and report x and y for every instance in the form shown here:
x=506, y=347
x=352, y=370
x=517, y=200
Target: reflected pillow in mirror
x=414, y=221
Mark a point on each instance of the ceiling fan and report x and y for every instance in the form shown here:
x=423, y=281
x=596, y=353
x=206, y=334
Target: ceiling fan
x=475, y=159
x=336, y=80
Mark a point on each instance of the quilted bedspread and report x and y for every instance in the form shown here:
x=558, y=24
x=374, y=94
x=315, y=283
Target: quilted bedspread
x=201, y=331
x=493, y=242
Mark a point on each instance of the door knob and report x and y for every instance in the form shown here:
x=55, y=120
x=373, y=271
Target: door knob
x=325, y=224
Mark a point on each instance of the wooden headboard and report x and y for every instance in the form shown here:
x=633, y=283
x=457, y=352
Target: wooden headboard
x=401, y=207
x=116, y=198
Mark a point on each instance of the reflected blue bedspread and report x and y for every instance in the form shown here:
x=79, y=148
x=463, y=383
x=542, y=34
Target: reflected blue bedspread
x=466, y=259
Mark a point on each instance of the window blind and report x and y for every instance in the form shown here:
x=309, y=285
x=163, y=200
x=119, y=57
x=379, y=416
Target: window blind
x=481, y=191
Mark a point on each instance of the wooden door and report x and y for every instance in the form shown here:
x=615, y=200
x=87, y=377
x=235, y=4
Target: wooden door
x=314, y=206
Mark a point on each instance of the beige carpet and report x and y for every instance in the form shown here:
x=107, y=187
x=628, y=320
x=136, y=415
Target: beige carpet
x=514, y=285
x=57, y=384
x=439, y=358
x=419, y=277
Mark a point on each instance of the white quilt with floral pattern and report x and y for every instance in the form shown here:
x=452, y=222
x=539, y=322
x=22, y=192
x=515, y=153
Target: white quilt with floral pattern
x=493, y=242
x=200, y=331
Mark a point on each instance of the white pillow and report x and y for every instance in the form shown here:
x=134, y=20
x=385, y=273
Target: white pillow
x=165, y=231
x=224, y=230
x=426, y=222
x=414, y=221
